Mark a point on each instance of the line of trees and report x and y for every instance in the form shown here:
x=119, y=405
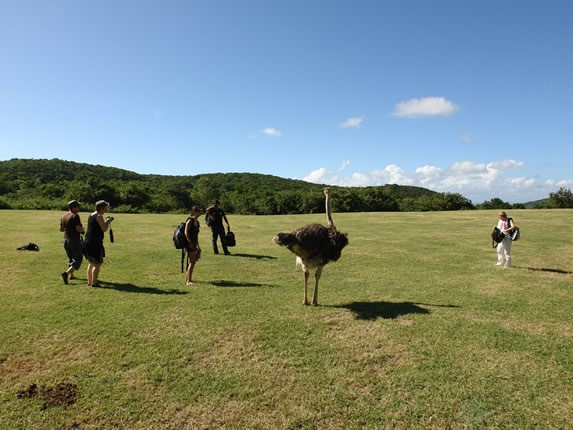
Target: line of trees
x=50, y=184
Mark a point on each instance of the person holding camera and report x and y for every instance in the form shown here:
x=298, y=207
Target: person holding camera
x=506, y=226
x=93, y=242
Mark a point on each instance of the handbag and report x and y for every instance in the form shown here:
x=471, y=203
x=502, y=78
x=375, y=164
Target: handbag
x=496, y=237
x=515, y=234
x=231, y=238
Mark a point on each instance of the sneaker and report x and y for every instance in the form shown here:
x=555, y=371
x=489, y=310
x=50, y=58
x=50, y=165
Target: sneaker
x=65, y=277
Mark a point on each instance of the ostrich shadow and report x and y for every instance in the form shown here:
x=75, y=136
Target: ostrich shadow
x=254, y=256
x=387, y=310
x=130, y=288
x=233, y=284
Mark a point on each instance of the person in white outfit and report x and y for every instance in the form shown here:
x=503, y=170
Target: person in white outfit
x=506, y=225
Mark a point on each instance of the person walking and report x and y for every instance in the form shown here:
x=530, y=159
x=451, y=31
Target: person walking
x=192, y=227
x=71, y=226
x=506, y=226
x=214, y=217
x=93, y=243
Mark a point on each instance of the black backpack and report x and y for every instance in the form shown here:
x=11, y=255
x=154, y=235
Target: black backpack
x=231, y=241
x=496, y=237
x=29, y=247
x=179, y=239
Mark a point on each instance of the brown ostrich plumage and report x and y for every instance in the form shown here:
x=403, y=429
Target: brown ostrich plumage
x=315, y=245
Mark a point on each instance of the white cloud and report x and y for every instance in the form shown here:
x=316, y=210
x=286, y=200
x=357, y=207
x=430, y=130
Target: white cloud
x=428, y=106
x=476, y=181
x=270, y=131
x=354, y=122
x=344, y=165
x=391, y=174
x=318, y=176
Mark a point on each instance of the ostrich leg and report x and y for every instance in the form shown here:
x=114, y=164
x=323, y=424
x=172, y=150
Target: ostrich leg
x=317, y=278
x=306, y=275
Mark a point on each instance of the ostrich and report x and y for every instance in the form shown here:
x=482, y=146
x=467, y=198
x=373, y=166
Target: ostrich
x=314, y=246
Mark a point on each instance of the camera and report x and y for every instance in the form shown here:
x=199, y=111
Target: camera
x=109, y=218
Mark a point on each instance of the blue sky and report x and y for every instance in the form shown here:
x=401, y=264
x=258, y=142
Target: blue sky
x=455, y=96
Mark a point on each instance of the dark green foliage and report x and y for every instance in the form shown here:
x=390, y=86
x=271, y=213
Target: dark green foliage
x=495, y=203
x=561, y=199
x=50, y=184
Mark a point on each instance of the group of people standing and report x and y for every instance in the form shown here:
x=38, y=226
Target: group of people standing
x=91, y=246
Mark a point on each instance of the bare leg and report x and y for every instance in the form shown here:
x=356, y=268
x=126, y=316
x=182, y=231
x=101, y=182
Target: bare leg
x=190, y=267
x=317, y=278
x=95, y=273
x=90, y=271
x=306, y=274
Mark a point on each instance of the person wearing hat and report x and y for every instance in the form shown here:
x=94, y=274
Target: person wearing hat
x=214, y=217
x=71, y=226
x=93, y=243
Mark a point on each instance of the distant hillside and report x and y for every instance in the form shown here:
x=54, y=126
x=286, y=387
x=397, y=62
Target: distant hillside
x=536, y=203
x=49, y=184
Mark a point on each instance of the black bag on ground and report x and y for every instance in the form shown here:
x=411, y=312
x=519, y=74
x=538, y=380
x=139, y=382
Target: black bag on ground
x=29, y=247
x=231, y=238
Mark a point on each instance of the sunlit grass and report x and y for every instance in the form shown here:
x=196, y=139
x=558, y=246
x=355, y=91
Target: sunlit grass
x=416, y=328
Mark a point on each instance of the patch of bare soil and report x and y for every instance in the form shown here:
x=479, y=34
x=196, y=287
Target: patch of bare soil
x=62, y=394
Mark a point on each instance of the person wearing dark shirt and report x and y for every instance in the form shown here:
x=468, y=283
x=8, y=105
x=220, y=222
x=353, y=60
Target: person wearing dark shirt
x=214, y=217
x=71, y=226
x=93, y=242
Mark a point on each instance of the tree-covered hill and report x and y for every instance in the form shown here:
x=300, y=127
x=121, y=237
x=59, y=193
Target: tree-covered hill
x=50, y=184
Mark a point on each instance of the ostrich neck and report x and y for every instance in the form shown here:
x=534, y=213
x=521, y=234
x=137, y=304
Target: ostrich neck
x=328, y=214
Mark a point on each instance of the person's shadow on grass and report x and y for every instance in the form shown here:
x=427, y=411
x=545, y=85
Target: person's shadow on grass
x=254, y=256
x=545, y=269
x=130, y=288
x=385, y=310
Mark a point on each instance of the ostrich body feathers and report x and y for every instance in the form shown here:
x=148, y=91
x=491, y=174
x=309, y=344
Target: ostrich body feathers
x=315, y=244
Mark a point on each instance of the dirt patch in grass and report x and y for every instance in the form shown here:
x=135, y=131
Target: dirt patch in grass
x=61, y=394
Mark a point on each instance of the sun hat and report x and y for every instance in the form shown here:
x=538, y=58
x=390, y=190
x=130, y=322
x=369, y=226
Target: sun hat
x=73, y=204
x=101, y=204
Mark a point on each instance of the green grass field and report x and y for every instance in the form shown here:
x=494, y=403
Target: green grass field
x=416, y=328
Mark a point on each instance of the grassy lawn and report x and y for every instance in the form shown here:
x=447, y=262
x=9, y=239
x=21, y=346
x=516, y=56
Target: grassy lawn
x=416, y=328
